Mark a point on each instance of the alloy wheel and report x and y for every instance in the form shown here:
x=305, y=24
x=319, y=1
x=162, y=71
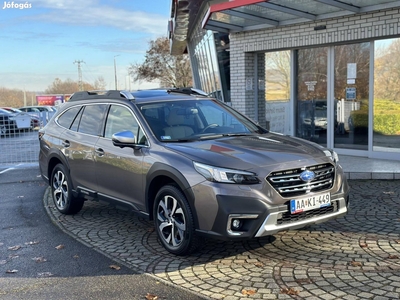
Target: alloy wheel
x=60, y=190
x=171, y=221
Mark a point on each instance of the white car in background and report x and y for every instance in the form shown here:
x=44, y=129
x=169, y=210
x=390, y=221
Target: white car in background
x=43, y=112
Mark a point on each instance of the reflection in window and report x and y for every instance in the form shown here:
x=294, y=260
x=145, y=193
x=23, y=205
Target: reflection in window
x=312, y=94
x=203, y=50
x=120, y=119
x=386, y=132
x=68, y=117
x=223, y=54
x=91, y=120
x=351, y=96
x=276, y=83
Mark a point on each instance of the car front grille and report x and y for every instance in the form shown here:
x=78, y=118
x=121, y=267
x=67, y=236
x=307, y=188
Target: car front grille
x=288, y=183
x=287, y=217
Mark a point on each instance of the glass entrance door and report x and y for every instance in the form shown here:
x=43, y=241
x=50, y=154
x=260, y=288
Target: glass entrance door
x=351, y=93
x=338, y=118
x=312, y=80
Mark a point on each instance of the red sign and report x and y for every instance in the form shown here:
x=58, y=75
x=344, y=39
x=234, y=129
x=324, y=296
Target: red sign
x=51, y=99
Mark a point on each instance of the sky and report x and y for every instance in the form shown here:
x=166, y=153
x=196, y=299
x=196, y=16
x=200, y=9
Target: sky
x=42, y=40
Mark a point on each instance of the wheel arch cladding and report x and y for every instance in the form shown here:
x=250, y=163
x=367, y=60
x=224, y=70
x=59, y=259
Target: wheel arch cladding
x=161, y=174
x=55, y=159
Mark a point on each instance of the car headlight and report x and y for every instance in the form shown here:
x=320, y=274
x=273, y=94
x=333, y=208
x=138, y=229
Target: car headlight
x=217, y=174
x=332, y=155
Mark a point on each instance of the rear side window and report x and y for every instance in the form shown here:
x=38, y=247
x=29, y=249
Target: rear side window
x=92, y=119
x=66, y=119
x=75, y=124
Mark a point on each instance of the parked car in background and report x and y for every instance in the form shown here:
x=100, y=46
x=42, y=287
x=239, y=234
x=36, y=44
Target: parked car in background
x=35, y=121
x=33, y=111
x=7, y=123
x=46, y=108
x=43, y=112
x=12, y=122
x=192, y=164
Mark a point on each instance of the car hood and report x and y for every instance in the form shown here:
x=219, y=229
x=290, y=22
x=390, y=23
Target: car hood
x=250, y=151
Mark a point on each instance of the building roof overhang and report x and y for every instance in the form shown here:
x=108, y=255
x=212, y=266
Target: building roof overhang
x=246, y=15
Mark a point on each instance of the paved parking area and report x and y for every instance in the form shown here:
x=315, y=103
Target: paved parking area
x=355, y=257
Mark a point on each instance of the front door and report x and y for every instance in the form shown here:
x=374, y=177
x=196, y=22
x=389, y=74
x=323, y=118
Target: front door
x=119, y=171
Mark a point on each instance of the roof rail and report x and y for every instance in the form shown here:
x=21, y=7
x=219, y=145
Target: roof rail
x=187, y=91
x=100, y=95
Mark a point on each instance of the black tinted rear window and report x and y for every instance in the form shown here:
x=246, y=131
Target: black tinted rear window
x=66, y=119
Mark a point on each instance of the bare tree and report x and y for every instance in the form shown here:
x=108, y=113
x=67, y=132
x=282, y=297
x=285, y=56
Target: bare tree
x=277, y=68
x=159, y=64
x=387, y=72
x=62, y=87
x=100, y=83
x=15, y=97
x=68, y=86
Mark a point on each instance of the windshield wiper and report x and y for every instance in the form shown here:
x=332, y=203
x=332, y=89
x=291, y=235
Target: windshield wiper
x=236, y=134
x=221, y=135
x=205, y=137
x=180, y=140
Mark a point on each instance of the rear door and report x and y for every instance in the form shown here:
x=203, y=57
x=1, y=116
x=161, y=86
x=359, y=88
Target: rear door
x=79, y=144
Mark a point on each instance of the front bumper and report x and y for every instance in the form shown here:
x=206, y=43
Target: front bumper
x=257, y=218
x=272, y=225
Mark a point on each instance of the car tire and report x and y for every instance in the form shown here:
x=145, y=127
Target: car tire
x=174, y=223
x=61, y=189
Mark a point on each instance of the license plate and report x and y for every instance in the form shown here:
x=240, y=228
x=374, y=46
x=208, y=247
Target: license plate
x=309, y=203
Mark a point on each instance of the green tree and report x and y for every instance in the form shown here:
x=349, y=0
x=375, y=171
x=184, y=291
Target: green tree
x=159, y=64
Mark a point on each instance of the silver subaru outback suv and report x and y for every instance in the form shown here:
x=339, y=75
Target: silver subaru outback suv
x=194, y=165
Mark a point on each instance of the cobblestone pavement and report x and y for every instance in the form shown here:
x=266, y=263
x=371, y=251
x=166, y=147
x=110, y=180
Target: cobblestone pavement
x=355, y=257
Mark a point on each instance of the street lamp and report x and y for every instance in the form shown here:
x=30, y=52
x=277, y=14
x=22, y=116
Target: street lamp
x=115, y=72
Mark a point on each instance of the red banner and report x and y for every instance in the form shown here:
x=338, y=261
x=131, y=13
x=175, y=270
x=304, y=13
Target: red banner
x=51, y=99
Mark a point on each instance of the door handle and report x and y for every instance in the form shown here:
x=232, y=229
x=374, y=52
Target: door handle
x=66, y=143
x=99, y=151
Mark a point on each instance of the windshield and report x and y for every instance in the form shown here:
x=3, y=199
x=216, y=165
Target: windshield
x=195, y=119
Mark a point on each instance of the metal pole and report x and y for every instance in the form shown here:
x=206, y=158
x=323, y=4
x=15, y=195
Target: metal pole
x=115, y=72
x=80, y=83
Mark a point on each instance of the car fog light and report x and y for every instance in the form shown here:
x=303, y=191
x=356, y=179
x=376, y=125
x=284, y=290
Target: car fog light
x=236, y=223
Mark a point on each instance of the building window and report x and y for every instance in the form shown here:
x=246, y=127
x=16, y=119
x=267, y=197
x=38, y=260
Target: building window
x=386, y=128
x=274, y=80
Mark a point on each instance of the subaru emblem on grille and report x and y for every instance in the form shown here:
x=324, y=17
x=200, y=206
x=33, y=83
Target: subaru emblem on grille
x=307, y=176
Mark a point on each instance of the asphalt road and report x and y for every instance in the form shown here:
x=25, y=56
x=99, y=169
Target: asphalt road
x=39, y=261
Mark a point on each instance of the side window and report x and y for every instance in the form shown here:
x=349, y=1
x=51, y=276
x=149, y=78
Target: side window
x=66, y=119
x=120, y=119
x=92, y=119
x=141, y=138
x=75, y=124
